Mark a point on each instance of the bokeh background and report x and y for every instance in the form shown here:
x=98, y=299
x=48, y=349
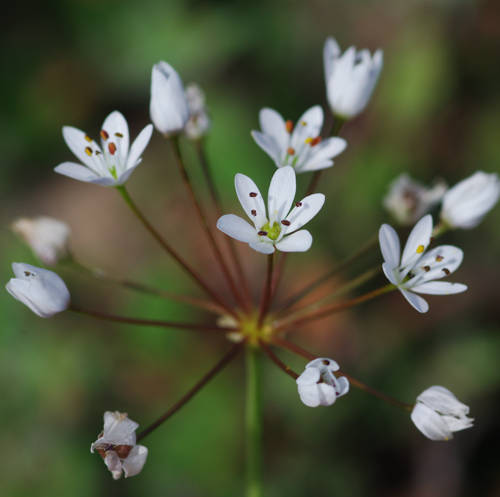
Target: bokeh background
x=435, y=113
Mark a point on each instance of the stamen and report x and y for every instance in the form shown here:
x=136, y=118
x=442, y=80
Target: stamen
x=28, y=273
x=308, y=140
x=289, y=126
x=326, y=362
x=439, y=258
x=122, y=451
x=446, y=271
x=252, y=194
x=304, y=123
x=315, y=141
x=426, y=268
x=112, y=148
x=298, y=204
x=253, y=212
x=87, y=137
x=119, y=135
x=290, y=151
x=285, y=222
x=88, y=151
x=97, y=152
x=262, y=233
x=104, y=134
x=420, y=249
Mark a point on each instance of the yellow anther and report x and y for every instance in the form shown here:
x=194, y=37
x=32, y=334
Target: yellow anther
x=420, y=249
x=308, y=140
x=87, y=137
x=304, y=123
x=88, y=151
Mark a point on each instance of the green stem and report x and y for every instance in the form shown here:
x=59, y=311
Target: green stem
x=267, y=293
x=253, y=424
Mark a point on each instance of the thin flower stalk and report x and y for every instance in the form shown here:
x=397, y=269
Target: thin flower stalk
x=221, y=364
x=203, y=220
x=149, y=322
x=267, y=293
x=287, y=369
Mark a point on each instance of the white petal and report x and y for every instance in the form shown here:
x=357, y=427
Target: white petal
x=299, y=216
x=82, y=173
x=331, y=52
x=114, y=464
x=77, y=143
x=251, y=203
x=342, y=386
x=389, y=246
x=430, y=423
x=418, y=241
x=273, y=124
x=310, y=376
x=269, y=145
x=135, y=461
x=439, y=288
x=281, y=194
x=237, y=228
x=323, y=153
x=443, y=400
x=308, y=126
x=119, y=429
x=262, y=247
x=138, y=146
x=416, y=301
x=117, y=128
x=300, y=241
x=391, y=273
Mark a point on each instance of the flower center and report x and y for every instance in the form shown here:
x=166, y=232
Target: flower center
x=272, y=232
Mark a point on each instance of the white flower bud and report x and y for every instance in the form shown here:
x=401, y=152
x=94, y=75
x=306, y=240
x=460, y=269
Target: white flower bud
x=465, y=205
x=318, y=385
x=408, y=200
x=46, y=236
x=43, y=291
x=168, y=107
x=350, y=78
x=438, y=413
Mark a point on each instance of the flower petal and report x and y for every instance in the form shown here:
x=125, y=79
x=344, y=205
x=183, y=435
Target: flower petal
x=138, y=146
x=323, y=153
x=331, y=52
x=300, y=241
x=439, y=288
x=237, y=228
x=135, y=461
x=250, y=199
x=272, y=124
x=262, y=247
x=389, y=246
x=415, y=301
x=304, y=212
x=430, y=423
x=308, y=126
x=116, y=127
x=281, y=194
x=77, y=142
x=82, y=173
x=418, y=241
x=269, y=145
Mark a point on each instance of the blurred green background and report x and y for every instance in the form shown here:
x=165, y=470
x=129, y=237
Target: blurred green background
x=435, y=113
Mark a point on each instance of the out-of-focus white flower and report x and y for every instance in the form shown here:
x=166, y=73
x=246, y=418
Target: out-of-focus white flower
x=416, y=270
x=299, y=146
x=46, y=236
x=117, y=445
x=465, y=205
x=110, y=164
x=43, y=291
x=408, y=200
x=279, y=228
x=168, y=106
x=199, y=122
x=438, y=413
x=350, y=78
x=318, y=385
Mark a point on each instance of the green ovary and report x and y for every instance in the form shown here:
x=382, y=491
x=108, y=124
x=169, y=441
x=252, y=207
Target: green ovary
x=273, y=232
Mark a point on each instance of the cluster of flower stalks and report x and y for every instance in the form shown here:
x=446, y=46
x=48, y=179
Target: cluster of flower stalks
x=300, y=150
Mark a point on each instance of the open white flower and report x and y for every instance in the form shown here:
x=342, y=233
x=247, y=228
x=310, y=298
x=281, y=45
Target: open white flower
x=318, y=385
x=278, y=228
x=117, y=445
x=199, y=122
x=465, y=205
x=416, y=270
x=43, y=291
x=109, y=164
x=438, y=413
x=350, y=78
x=299, y=146
x=408, y=200
x=46, y=236
x=168, y=107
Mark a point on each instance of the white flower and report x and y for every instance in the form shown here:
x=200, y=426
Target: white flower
x=113, y=162
x=199, y=122
x=408, y=200
x=117, y=445
x=416, y=270
x=168, y=106
x=46, y=236
x=438, y=413
x=43, y=291
x=299, y=146
x=279, y=228
x=465, y=205
x=318, y=385
x=350, y=78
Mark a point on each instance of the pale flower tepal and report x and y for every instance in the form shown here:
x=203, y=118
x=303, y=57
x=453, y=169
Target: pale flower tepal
x=278, y=228
x=465, y=205
x=298, y=145
x=350, y=78
x=46, y=236
x=112, y=162
x=416, y=271
x=199, y=121
x=438, y=413
x=43, y=291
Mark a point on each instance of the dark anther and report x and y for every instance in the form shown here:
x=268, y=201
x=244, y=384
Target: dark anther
x=426, y=268
x=298, y=204
x=254, y=212
x=285, y=222
x=326, y=362
x=446, y=271
x=262, y=233
x=27, y=273
x=119, y=135
x=439, y=258
x=252, y=194
x=104, y=134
